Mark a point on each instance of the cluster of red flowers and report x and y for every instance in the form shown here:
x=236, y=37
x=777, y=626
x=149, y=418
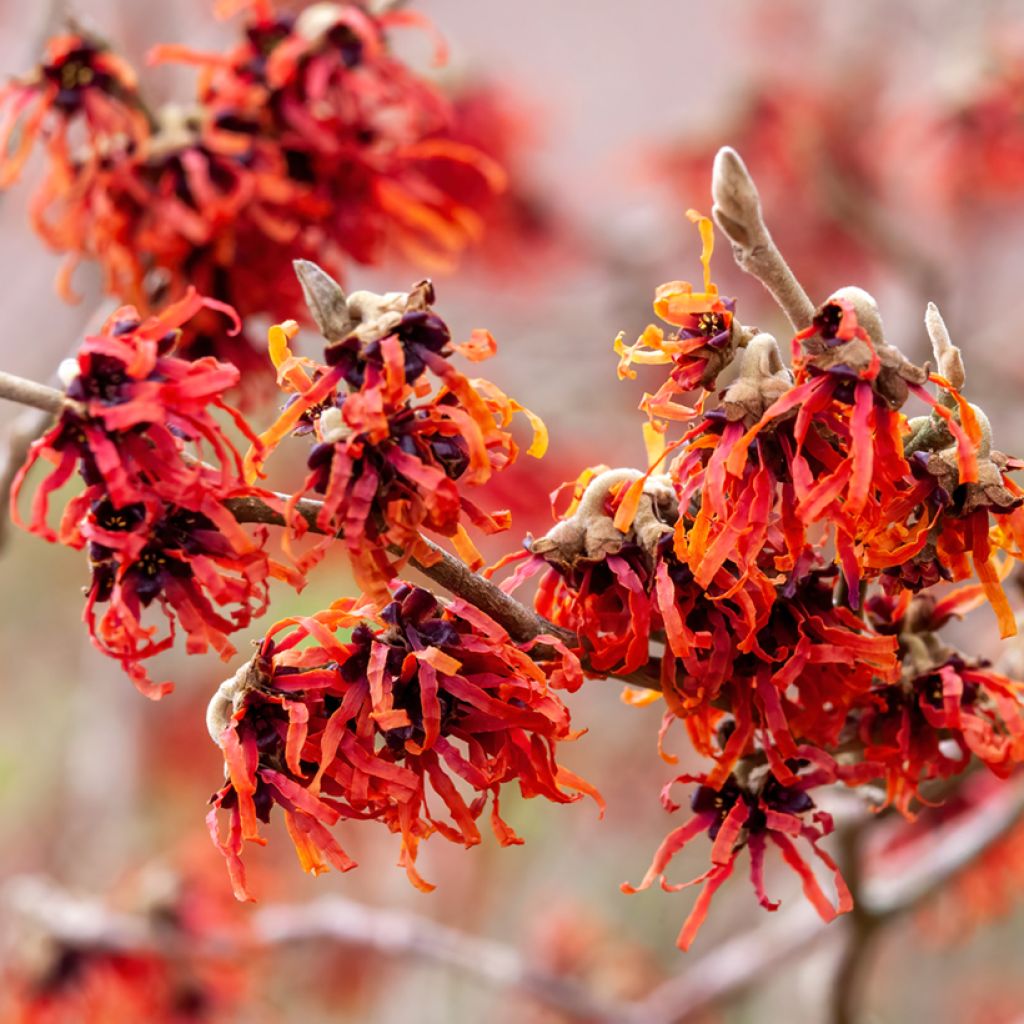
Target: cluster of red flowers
x=391, y=451
x=137, y=425
x=784, y=557
x=417, y=700
x=307, y=139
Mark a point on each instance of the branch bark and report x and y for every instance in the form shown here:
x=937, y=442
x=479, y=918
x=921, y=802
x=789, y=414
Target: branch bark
x=28, y=392
x=87, y=923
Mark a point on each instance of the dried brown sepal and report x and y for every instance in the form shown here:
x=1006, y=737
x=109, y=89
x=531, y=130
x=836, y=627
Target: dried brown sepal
x=763, y=378
x=590, y=534
x=858, y=355
x=252, y=675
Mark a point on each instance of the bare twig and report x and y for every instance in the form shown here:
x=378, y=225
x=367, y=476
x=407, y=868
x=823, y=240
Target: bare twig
x=862, y=928
x=87, y=923
x=737, y=212
x=28, y=392
x=409, y=936
x=448, y=571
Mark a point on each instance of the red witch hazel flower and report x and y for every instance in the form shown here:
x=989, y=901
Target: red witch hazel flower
x=363, y=729
x=362, y=133
x=80, y=80
x=137, y=424
x=309, y=138
x=702, y=347
x=391, y=451
x=168, y=964
x=945, y=709
x=752, y=815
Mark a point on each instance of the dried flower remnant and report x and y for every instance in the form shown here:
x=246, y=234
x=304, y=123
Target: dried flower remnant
x=392, y=452
x=138, y=423
x=364, y=729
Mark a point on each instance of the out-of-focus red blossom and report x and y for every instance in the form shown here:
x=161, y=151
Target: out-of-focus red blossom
x=574, y=940
x=984, y=890
x=392, y=452
x=523, y=233
x=307, y=139
x=737, y=816
x=358, y=130
x=80, y=83
x=814, y=155
x=430, y=700
x=171, y=970
x=980, y=141
x=138, y=425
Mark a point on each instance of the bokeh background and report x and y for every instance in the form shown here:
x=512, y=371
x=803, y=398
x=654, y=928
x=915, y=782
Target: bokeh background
x=619, y=109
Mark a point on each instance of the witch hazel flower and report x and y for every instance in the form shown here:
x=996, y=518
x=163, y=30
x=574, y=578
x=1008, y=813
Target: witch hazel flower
x=138, y=428
x=420, y=700
x=944, y=710
x=392, y=451
x=703, y=346
x=755, y=814
x=370, y=140
x=80, y=80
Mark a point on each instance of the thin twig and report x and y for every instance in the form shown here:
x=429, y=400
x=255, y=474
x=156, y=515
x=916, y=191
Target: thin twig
x=87, y=923
x=408, y=936
x=862, y=928
x=28, y=392
x=737, y=212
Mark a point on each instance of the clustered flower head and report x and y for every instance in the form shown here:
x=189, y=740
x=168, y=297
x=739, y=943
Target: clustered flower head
x=392, y=450
x=395, y=724
x=782, y=549
x=139, y=427
x=306, y=139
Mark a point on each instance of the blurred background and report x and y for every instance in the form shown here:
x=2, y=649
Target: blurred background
x=887, y=137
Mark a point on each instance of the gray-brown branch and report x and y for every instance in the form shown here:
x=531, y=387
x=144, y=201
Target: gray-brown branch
x=88, y=924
